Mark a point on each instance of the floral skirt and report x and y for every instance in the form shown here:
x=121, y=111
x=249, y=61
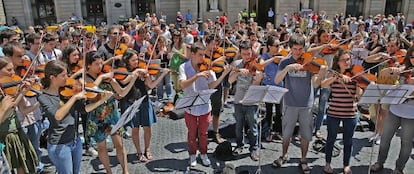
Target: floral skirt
x=19, y=151
x=100, y=128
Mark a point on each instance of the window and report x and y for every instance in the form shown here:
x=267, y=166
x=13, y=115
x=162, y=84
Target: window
x=45, y=12
x=354, y=7
x=393, y=7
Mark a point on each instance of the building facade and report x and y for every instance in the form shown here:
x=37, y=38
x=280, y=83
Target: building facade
x=40, y=12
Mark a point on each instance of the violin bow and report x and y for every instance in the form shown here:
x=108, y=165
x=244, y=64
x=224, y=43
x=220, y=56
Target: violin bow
x=152, y=51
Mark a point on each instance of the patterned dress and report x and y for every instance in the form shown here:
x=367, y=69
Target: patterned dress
x=103, y=118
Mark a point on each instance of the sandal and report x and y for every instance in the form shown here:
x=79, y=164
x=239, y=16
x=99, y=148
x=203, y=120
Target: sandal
x=279, y=162
x=141, y=157
x=148, y=155
x=304, y=166
x=377, y=167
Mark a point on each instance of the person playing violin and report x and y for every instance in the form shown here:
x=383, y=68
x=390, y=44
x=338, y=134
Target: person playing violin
x=270, y=71
x=326, y=50
x=146, y=116
x=64, y=144
x=342, y=108
x=400, y=118
x=71, y=56
x=16, y=145
x=216, y=97
x=31, y=122
x=197, y=118
x=104, y=117
x=393, y=54
x=298, y=101
x=245, y=114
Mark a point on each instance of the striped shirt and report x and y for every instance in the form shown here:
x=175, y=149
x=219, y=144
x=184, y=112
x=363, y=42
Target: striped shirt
x=342, y=102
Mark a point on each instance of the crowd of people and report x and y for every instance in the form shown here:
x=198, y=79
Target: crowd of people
x=89, y=80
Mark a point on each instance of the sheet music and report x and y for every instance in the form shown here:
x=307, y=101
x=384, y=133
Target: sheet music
x=127, y=115
x=269, y=94
x=200, y=98
x=386, y=94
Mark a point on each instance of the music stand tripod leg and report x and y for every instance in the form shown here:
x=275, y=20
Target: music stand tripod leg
x=259, y=151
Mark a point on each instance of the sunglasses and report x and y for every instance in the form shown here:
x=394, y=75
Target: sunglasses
x=115, y=33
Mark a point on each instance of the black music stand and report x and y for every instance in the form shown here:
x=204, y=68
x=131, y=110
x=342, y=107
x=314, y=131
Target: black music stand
x=201, y=97
x=261, y=94
x=127, y=115
x=385, y=94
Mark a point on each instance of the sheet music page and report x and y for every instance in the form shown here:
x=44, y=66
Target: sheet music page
x=274, y=94
x=204, y=97
x=389, y=94
x=269, y=94
x=128, y=115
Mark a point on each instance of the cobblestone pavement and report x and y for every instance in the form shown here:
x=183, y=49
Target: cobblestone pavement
x=170, y=155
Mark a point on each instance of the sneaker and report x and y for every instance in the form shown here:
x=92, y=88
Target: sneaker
x=92, y=152
x=205, y=160
x=373, y=138
x=193, y=160
x=378, y=140
x=238, y=150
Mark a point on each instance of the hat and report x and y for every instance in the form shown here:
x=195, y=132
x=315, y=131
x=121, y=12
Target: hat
x=408, y=27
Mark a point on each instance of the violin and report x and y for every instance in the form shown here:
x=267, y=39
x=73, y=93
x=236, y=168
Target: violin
x=253, y=65
x=167, y=108
x=398, y=57
x=9, y=85
x=216, y=66
x=77, y=66
x=329, y=50
x=120, y=50
x=73, y=87
x=407, y=74
x=229, y=52
x=363, y=79
x=39, y=71
x=311, y=63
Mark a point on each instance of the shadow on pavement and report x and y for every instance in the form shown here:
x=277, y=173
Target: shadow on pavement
x=169, y=165
x=177, y=147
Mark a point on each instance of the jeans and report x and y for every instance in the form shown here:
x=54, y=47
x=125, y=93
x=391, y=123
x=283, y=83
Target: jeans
x=197, y=125
x=348, y=125
x=392, y=123
x=246, y=115
x=66, y=157
x=323, y=100
x=168, y=87
x=33, y=132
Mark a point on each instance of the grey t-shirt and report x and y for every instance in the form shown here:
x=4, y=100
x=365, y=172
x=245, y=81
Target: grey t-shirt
x=300, y=87
x=65, y=130
x=243, y=83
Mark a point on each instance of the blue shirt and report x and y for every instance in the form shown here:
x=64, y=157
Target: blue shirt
x=270, y=72
x=300, y=86
x=188, y=16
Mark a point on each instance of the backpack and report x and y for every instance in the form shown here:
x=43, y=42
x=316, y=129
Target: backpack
x=224, y=151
